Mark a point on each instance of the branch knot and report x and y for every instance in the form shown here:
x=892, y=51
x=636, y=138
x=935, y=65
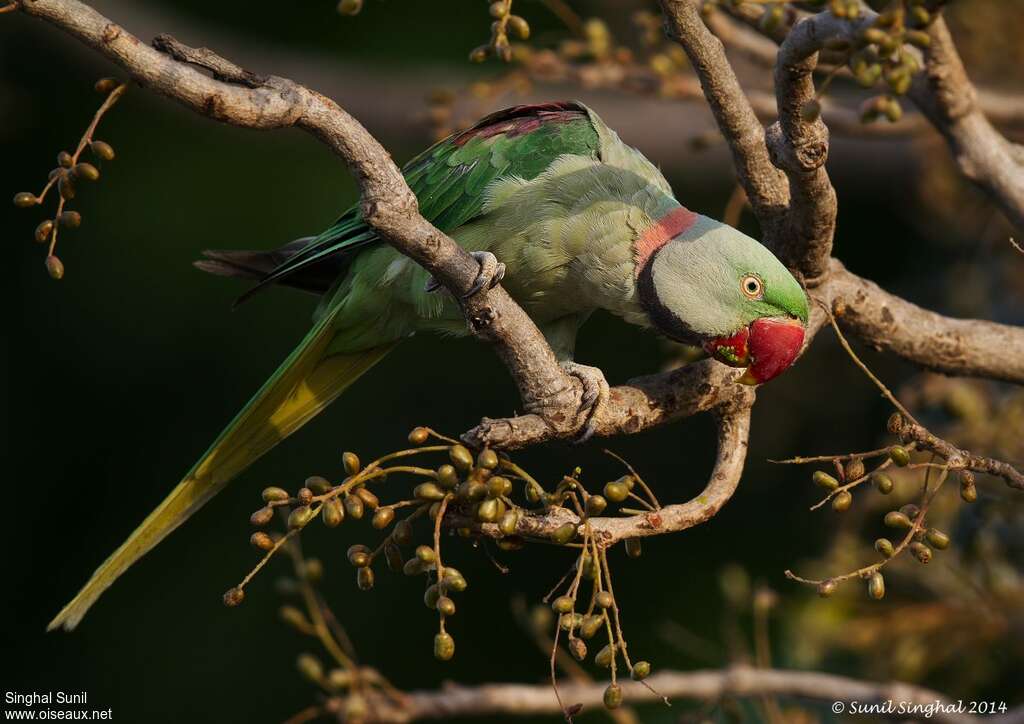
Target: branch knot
x=221, y=68
x=805, y=154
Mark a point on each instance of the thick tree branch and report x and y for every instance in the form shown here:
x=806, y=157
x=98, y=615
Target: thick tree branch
x=244, y=99
x=641, y=403
x=945, y=94
x=742, y=682
x=964, y=347
x=764, y=184
x=797, y=211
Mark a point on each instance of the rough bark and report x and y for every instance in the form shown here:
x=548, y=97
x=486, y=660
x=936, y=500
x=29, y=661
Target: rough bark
x=946, y=96
x=962, y=347
x=764, y=184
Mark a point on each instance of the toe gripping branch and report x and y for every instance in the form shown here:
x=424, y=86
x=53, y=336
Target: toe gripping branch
x=595, y=393
x=595, y=396
x=491, y=273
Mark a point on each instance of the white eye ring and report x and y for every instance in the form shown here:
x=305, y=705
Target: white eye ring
x=752, y=286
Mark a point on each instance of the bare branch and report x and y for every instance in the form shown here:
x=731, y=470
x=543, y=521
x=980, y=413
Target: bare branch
x=967, y=347
x=741, y=36
x=947, y=97
x=244, y=99
x=764, y=184
x=708, y=685
x=799, y=146
x=958, y=459
x=641, y=403
x=221, y=68
x=746, y=20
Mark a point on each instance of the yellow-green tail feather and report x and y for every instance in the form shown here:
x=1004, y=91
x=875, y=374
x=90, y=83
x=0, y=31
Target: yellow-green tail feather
x=309, y=380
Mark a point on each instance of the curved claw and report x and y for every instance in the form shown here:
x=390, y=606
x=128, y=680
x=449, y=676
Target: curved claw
x=491, y=272
x=595, y=395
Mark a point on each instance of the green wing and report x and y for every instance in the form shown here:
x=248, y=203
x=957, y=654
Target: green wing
x=450, y=177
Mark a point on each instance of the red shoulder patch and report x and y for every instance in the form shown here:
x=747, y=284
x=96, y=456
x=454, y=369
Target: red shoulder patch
x=520, y=120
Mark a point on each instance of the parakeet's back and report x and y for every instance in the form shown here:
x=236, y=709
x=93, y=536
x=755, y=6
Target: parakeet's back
x=451, y=178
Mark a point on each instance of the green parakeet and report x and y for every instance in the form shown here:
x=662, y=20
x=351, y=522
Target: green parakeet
x=578, y=220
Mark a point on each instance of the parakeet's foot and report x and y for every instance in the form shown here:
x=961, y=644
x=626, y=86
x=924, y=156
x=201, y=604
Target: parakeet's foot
x=492, y=271
x=595, y=394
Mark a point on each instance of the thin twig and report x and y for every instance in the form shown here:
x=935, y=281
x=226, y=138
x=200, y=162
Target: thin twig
x=915, y=528
x=864, y=368
x=636, y=476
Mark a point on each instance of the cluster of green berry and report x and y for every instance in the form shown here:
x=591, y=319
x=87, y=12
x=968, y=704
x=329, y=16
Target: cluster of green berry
x=583, y=616
x=503, y=21
x=910, y=520
x=476, y=495
x=70, y=170
x=351, y=692
x=883, y=53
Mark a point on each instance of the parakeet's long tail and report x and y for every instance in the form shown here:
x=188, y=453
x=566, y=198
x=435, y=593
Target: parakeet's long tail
x=310, y=379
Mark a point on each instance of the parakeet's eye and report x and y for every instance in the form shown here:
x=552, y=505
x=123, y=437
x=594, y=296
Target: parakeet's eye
x=752, y=286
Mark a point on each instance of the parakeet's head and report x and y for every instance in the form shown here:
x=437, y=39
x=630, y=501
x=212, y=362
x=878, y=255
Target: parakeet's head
x=704, y=283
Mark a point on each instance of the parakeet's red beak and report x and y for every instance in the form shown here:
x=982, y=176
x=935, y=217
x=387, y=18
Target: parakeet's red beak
x=766, y=348
x=774, y=344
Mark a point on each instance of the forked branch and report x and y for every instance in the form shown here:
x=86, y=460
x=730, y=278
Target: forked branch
x=732, y=416
x=949, y=100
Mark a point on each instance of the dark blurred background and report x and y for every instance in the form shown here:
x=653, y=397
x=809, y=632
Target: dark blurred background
x=118, y=376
